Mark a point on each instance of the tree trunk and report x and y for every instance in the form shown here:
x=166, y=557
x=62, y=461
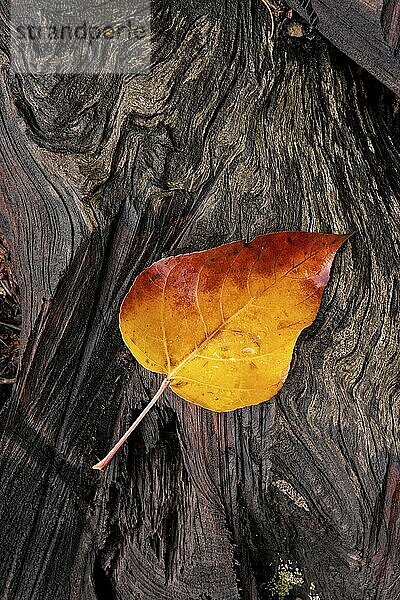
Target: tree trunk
x=229, y=135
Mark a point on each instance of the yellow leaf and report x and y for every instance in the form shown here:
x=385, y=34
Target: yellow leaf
x=222, y=324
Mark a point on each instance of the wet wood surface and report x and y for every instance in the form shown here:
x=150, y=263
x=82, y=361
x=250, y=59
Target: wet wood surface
x=229, y=135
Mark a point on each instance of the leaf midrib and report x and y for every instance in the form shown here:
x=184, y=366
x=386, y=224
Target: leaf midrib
x=172, y=374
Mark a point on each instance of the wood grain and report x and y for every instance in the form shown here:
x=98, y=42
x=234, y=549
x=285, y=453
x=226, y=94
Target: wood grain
x=228, y=136
x=368, y=31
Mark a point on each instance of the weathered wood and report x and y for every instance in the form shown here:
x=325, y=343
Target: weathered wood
x=228, y=136
x=368, y=31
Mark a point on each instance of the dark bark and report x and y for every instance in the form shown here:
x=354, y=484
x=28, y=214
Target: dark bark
x=366, y=30
x=228, y=136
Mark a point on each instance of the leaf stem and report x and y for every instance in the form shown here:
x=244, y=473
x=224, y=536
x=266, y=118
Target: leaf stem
x=104, y=462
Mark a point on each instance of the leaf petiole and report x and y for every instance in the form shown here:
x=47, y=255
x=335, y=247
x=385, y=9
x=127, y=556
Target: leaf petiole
x=104, y=462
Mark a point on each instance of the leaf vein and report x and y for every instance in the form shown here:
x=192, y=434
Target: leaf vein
x=205, y=383
x=222, y=325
